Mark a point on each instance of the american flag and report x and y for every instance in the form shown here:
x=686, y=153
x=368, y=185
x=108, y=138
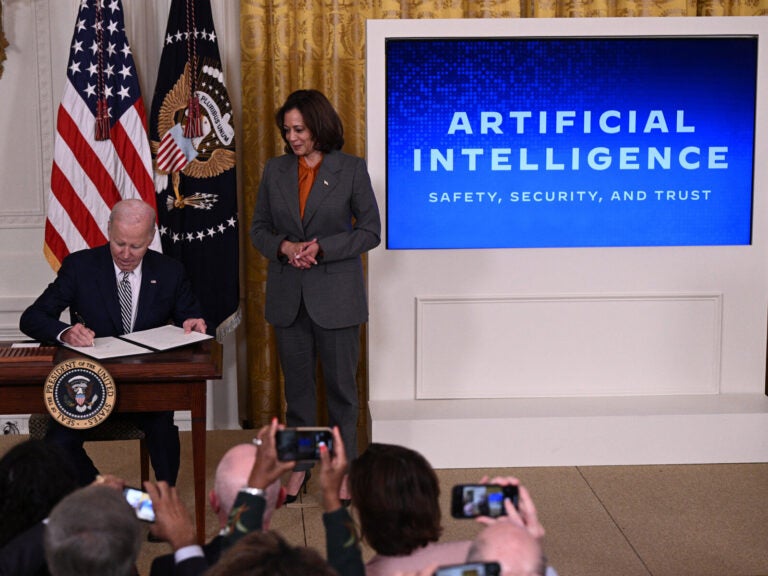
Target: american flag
x=101, y=150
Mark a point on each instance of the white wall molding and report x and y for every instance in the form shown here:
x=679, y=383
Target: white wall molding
x=578, y=431
x=10, y=310
x=564, y=345
x=23, y=196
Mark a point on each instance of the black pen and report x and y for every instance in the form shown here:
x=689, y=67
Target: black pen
x=80, y=320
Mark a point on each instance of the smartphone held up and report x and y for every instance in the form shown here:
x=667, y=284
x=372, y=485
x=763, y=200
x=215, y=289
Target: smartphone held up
x=140, y=502
x=302, y=443
x=473, y=500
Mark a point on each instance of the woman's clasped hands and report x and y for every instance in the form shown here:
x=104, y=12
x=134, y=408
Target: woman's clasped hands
x=300, y=254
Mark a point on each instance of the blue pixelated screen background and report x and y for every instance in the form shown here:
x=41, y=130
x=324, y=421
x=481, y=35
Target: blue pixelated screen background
x=570, y=142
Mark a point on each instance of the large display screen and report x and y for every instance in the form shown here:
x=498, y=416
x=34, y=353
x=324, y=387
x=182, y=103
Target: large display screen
x=528, y=142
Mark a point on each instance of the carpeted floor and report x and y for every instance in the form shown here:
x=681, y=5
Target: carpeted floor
x=691, y=520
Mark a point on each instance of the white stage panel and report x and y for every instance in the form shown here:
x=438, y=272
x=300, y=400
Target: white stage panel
x=561, y=346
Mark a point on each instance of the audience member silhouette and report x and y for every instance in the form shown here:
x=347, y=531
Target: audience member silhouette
x=34, y=477
x=515, y=539
x=396, y=494
x=268, y=554
x=250, y=504
x=92, y=532
x=258, y=553
x=512, y=546
x=232, y=475
x=394, y=490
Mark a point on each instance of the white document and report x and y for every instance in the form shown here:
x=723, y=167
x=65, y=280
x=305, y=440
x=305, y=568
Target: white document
x=142, y=342
x=164, y=338
x=110, y=347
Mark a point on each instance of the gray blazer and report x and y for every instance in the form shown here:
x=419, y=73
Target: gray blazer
x=342, y=213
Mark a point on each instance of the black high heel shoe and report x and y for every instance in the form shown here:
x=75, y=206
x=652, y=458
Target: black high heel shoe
x=290, y=498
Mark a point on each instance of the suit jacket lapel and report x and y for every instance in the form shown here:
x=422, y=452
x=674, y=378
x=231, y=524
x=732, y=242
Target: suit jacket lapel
x=107, y=285
x=325, y=182
x=147, y=292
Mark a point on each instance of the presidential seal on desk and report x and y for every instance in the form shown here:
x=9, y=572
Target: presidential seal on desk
x=79, y=393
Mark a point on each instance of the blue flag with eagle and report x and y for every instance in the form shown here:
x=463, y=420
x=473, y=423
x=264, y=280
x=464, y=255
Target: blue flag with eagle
x=193, y=150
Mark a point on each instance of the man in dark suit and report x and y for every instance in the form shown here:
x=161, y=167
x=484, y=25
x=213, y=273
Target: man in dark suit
x=88, y=283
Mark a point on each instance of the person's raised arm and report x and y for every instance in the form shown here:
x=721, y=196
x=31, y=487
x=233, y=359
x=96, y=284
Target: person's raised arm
x=342, y=545
x=173, y=522
x=247, y=513
x=333, y=467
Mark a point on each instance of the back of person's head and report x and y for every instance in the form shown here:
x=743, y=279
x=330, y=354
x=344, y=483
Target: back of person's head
x=34, y=476
x=92, y=532
x=517, y=552
x=396, y=494
x=232, y=474
x=268, y=554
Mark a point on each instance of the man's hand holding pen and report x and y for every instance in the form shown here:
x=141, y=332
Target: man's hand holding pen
x=78, y=334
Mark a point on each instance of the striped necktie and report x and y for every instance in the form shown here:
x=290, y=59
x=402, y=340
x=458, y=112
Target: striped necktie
x=126, y=302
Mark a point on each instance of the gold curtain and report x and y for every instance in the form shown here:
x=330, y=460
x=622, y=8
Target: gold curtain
x=291, y=44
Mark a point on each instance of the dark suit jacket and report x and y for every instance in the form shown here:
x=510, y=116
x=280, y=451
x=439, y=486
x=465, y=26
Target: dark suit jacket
x=342, y=213
x=24, y=555
x=165, y=566
x=86, y=283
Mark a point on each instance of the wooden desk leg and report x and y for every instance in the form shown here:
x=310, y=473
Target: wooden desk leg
x=198, y=455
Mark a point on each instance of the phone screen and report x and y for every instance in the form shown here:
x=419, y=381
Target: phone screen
x=302, y=443
x=141, y=503
x=473, y=500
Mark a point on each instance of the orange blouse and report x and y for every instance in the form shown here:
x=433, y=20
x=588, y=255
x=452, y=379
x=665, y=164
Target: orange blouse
x=307, y=177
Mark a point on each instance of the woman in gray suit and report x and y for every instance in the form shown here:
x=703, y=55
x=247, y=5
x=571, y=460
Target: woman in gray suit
x=315, y=215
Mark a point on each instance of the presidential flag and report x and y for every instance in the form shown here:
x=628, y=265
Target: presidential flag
x=101, y=150
x=193, y=147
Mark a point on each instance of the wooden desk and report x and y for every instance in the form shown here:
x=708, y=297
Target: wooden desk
x=171, y=380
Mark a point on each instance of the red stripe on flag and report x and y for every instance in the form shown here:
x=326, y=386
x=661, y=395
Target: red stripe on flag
x=172, y=158
x=79, y=215
x=149, y=195
x=132, y=162
x=54, y=245
x=87, y=159
x=166, y=145
x=179, y=161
